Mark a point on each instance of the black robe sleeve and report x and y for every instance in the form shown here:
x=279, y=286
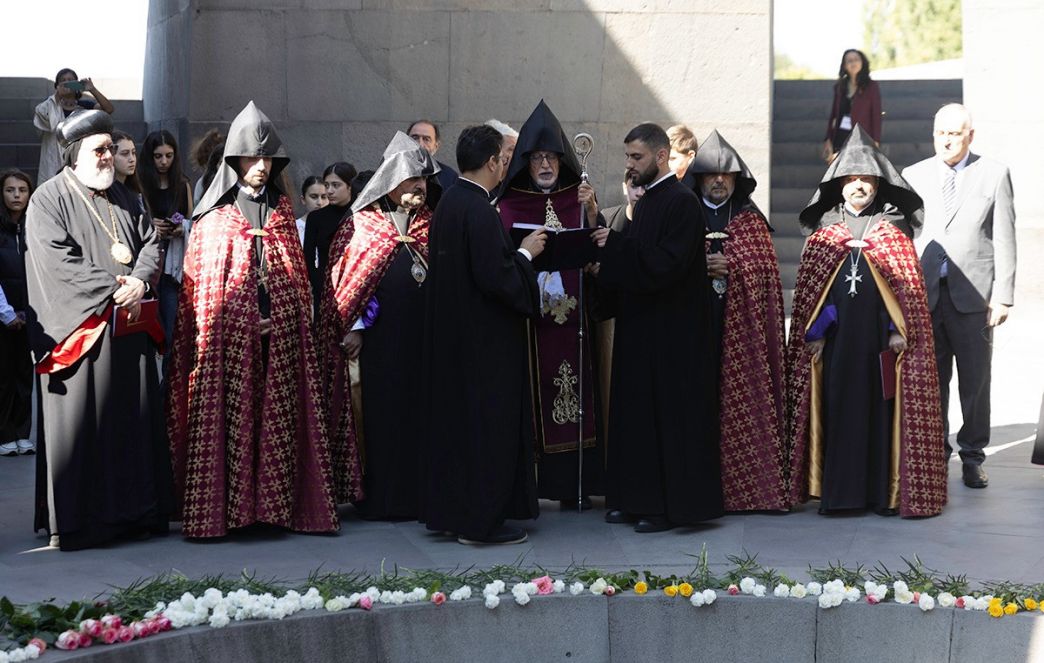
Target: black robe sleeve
x=503, y=274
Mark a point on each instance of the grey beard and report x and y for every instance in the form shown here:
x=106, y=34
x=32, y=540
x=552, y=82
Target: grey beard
x=99, y=180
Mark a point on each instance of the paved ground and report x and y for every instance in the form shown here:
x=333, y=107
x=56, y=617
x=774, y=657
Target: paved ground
x=987, y=534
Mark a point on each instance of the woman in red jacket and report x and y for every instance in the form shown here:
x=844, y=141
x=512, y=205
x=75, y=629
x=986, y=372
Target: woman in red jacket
x=857, y=100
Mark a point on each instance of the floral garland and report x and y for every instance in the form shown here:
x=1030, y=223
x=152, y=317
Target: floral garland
x=78, y=625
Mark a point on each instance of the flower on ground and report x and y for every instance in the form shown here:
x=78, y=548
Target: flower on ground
x=39, y=644
x=685, y=589
x=438, y=598
x=462, y=593
x=1029, y=604
x=492, y=601
x=697, y=599
x=872, y=600
x=576, y=588
x=598, y=586
x=366, y=602
x=641, y=587
x=733, y=590
x=521, y=598
x=814, y=588
x=781, y=591
x=925, y=602
x=610, y=590
x=1011, y=608
x=798, y=591
x=747, y=585
x=946, y=600
x=995, y=610
x=558, y=586
x=709, y=596
x=671, y=590
x=544, y=585
x=759, y=590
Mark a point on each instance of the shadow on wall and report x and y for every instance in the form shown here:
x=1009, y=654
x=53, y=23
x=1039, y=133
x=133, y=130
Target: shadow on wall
x=338, y=83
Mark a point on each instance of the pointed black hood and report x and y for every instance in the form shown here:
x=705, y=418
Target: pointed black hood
x=717, y=156
x=251, y=134
x=859, y=156
x=541, y=132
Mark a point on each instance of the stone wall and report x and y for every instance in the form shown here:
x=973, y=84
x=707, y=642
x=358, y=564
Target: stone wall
x=1001, y=46
x=338, y=77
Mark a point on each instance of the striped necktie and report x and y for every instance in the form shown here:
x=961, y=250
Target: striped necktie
x=949, y=192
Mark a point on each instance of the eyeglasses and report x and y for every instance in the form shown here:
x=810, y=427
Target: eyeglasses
x=111, y=148
x=541, y=157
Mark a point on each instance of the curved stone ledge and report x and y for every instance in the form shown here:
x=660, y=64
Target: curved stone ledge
x=588, y=628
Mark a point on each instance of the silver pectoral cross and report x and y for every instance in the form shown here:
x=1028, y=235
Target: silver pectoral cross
x=852, y=277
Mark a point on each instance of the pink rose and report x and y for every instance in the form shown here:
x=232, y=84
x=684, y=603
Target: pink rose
x=733, y=590
x=111, y=621
x=109, y=635
x=91, y=627
x=366, y=603
x=544, y=585
x=872, y=600
x=125, y=633
x=609, y=590
x=162, y=623
x=39, y=644
x=68, y=640
x=960, y=602
x=917, y=597
x=438, y=598
x=85, y=640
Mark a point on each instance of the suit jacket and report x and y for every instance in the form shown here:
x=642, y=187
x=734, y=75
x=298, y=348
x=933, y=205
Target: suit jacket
x=978, y=239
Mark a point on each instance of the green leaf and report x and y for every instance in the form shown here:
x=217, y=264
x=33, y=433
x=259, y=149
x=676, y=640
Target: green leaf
x=6, y=607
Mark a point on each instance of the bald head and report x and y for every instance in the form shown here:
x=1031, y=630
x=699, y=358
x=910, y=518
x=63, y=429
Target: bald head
x=953, y=133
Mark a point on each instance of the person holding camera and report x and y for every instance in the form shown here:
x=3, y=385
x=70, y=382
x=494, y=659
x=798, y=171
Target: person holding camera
x=67, y=99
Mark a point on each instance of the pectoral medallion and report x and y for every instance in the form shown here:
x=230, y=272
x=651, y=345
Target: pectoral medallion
x=121, y=253
x=418, y=272
x=720, y=284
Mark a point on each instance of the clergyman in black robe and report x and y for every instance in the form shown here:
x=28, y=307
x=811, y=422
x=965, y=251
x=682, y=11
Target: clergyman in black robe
x=103, y=470
x=663, y=466
x=480, y=290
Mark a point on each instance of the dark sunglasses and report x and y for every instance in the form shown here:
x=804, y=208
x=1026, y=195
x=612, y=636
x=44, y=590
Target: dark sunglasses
x=110, y=148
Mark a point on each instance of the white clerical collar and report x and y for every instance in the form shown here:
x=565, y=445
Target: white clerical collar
x=476, y=184
x=662, y=179
x=958, y=167
x=712, y=205
x=257, y=194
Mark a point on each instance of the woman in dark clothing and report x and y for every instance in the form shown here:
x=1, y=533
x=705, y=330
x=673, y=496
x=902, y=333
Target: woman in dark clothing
x=168, y=198
x=322, y=224
x=16, y=365
x=857, y=100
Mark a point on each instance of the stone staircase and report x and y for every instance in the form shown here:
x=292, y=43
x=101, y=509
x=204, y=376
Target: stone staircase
x=19, y=140
x=800, y=110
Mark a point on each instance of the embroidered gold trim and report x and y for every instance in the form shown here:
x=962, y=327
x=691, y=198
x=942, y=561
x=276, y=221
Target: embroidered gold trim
x=550, y=218
x=566, y=407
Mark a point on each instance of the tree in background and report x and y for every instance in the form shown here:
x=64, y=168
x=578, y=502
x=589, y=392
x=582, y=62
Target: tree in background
x=787, y=69
x=905, y=32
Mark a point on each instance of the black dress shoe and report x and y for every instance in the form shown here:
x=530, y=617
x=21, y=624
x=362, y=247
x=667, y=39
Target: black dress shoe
x=571, y=505
x=650, y=524
x=500, y=536
x=620, y=517
x=975, y=476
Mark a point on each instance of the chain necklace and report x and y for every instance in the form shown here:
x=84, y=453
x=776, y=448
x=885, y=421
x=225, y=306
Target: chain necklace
x=419, y=269
x=853, y=275
x=119, y=251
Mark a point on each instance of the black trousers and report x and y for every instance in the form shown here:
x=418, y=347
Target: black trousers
x=968, y=338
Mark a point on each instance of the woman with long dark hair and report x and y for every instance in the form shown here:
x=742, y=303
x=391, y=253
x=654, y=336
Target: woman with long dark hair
x=168, y=198
x=16, y=377
x=313, y=197
x=322, y=224
x=857, y=100
x=125, y=161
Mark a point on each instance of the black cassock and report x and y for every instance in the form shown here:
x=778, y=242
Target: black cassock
x=479, y=461
x=663, y=455
x=103, y=468
x=390, y=370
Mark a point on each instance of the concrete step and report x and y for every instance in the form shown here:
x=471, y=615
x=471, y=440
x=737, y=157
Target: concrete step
x=25, y=88
x=807, y=154
x=894, y=108
x=18, y=131
x=788, y=200
x=787, y=227
x=918, y=88
x=20, y=155
x=788, y=249
x=893, y=131
x=805, y=177
x=788, y=275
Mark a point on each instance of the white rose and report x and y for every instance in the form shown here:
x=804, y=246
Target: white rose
x=947, y=600
x=219, y=620
x=598, y=586
x=798, y=591
x=335, y=604
x=781, y=591
x=16, y=656
x=576, y=588
x=558, y=586
x=709, y=596
x=697, y=599
x=492, y=601
x=814, y=588
x=759, y=590
x=899, y=586
x=521, y=598
x=852, y=594
x=926, y=602
x=747, y=585
x=904, y=597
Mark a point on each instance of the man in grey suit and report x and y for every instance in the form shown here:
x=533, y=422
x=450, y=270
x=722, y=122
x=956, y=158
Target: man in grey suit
x=967, y=249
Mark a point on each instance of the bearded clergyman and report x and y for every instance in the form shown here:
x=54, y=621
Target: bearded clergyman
x=102, y=471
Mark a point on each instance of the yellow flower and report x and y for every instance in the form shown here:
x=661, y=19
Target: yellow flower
x=1030, y=604
x=995, y=610
x=995, y=602
x=641, y=587
x=685, y=589
x=1011, y=609
x=671, y=590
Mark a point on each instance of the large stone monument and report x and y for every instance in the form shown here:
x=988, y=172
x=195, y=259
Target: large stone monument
x=338, y=77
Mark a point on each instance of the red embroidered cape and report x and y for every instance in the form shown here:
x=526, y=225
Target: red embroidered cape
x=360, y=254
x=248, y=440
x=922, y=466
x=753, y=456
